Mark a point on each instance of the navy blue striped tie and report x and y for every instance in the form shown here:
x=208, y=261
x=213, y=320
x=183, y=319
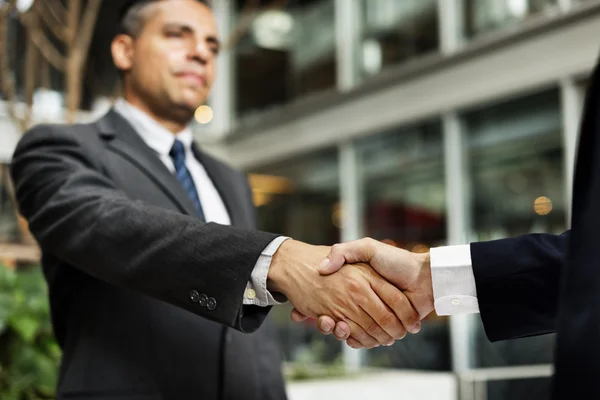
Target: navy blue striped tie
x=177, y=154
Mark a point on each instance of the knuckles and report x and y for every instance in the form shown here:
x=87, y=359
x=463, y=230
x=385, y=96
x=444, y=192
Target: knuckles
x=390, y=322
x=397, y=300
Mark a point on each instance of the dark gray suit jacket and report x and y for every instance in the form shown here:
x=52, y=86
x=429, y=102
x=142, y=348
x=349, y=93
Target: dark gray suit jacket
x=143, y=295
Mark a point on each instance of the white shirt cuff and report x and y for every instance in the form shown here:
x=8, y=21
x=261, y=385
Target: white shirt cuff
x=454, y=289
x=256, y=290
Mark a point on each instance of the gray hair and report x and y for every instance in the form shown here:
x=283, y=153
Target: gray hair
x=134, y=19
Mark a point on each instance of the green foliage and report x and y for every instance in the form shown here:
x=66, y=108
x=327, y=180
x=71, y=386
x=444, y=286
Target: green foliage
x=310, y=366
x=29, y=355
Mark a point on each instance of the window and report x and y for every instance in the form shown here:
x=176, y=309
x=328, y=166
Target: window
x=286, y=53
x=516, y=169
x=397, y=30
x=402, y=178
x=483, y=16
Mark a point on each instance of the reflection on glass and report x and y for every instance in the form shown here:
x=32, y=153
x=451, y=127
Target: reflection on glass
x=8, y=216
x=300, y=199
x=402, y=179
x=397, y=30
x=483, y=16
x=288, y=51
x=516, y=168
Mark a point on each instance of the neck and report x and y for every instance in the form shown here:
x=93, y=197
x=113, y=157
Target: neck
x=170, y=124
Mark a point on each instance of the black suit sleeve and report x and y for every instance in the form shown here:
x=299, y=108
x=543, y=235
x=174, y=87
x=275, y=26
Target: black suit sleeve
x=517, y=284
x=77, y=215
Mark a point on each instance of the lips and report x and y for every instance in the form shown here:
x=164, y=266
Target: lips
x=193, y=77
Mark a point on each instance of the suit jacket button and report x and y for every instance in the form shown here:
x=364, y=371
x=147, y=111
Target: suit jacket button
x=212, y=303
x=202, y=300
x=194, y=296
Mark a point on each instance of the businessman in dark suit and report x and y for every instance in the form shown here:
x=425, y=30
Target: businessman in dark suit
x=523, y=286
x=159, y=284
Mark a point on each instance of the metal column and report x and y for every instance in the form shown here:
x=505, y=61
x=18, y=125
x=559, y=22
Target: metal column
x=351, y=195
x=347, y=39
x=565, y=5
x=457, y=202
x=571, y=107
x=451, y=25
x=222, y=99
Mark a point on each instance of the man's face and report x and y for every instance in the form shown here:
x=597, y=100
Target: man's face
x=172, y=60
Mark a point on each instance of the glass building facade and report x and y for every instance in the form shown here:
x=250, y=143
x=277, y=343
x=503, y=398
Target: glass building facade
x=497, y=165
x=485, y=16
x=285, y=53
x=515, y=184
x=395, y=31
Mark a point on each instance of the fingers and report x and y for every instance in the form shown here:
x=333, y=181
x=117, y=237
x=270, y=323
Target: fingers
x=361, y=338
x=401, y=307
x=297, y=316
x=355, y=344
x=376, y=316
x=348, y=253
x=384, y=325
x=326, y=325
x=342, y=330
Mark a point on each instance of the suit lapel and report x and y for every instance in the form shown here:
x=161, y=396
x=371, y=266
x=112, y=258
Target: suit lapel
x=226, y=184
x=121, y=138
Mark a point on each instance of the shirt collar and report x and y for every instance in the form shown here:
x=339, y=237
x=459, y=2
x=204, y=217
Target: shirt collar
x=154, y=135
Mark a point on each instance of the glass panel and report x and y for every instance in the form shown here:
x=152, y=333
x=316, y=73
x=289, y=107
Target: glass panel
x=483, y=16
x=300, y=199
x=402, y=176
x=286, y=52
x=397, y=30
x=516, y=170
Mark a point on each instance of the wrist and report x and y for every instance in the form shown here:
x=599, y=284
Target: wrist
x=279, y=274
x=294, y=264
x=425, y=280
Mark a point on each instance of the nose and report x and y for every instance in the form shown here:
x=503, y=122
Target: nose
x=200, y=53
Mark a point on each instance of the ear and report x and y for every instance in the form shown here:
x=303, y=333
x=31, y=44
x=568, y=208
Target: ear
x=122, y=52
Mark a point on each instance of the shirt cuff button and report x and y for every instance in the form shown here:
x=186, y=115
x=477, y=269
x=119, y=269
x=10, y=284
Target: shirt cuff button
x=250, y=294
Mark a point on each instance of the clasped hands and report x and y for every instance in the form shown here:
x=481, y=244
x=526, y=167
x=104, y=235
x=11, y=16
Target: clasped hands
x=365, y=292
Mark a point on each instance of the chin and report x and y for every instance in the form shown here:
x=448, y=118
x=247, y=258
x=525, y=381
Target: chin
x=189, y=103
x=194, y=98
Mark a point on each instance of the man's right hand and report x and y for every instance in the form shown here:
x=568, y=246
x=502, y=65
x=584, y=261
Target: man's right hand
x=373, y=309
x=410, y=272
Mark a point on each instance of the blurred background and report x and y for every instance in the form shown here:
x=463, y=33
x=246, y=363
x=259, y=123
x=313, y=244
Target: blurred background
x=418, y=122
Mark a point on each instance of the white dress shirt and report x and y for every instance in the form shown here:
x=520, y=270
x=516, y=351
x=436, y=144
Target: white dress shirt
x=161, y=140
x=454, y=289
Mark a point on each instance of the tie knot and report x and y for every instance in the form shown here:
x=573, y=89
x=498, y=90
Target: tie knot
x=178, y=150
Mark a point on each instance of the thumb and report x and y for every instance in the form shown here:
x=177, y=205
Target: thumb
x=334, y=261
x=347, y=253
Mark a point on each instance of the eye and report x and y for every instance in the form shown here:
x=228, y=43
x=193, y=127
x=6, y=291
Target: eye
x=174, y=34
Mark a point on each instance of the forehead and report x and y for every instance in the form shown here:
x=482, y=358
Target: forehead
x=191, y=13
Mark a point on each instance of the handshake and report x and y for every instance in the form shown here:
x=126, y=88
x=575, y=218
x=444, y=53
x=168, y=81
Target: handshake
x=365, y=292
